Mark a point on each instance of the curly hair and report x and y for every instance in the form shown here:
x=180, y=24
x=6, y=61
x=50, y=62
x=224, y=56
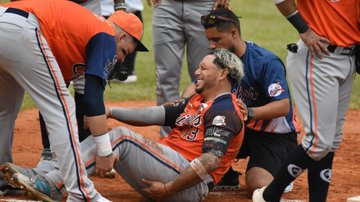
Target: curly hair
x=228, y=60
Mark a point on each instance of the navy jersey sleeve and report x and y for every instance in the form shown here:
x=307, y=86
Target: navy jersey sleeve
x=274, y=79
x=173, y=111
x=93, y=99
x=223, y=114
x=100, y=55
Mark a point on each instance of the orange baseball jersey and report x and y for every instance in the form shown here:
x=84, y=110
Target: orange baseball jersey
x=80, y=40
x=338, y=24
x=192, y=120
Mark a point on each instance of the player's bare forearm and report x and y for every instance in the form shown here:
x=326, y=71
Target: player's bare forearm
x=186, y=179
x=97, y=124
x=272, y=110
x=104, y=157
x=287, y=7
x=189, y=177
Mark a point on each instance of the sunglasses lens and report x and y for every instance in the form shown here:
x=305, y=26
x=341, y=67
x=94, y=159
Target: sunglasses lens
x=211, y=21
x=208, y=20
x=203, y=19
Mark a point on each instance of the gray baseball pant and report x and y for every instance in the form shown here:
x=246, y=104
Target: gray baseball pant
x=140, y=157
x=176, y=25
x=322, y=91
x=27, y=64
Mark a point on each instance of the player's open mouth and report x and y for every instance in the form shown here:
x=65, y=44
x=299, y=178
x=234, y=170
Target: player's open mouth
x=197, y=81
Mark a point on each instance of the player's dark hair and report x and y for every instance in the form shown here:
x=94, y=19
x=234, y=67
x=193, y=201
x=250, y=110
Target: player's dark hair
x=227, y=20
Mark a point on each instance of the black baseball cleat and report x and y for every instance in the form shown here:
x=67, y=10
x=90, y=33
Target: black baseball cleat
x=229, y=182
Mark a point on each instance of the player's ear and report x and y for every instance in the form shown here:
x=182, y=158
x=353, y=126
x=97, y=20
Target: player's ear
x=224, y=74
x=120, y=36
x=124, y=35
x=233, y=33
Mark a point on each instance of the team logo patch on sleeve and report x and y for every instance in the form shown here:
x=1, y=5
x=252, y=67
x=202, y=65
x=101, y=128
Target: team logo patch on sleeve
x=219, y=121
x=109, y=67
x=275, y=89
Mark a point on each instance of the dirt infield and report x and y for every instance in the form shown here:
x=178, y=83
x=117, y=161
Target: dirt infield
x=346, y=170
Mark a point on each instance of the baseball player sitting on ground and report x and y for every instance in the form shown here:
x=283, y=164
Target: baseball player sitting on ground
x=264, y=97
x=42, y=46
x=206, y=136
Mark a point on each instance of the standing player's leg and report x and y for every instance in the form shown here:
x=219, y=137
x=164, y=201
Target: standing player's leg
x=168, y=44
x=46, y=153
x=37, y=71
x=313, y=96
x=83, y=132
x=319, y=174
x=298, y=160
x=11, y=95
x=197, y=45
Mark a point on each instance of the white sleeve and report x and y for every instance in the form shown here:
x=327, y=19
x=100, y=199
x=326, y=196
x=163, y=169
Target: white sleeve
x=143, y=116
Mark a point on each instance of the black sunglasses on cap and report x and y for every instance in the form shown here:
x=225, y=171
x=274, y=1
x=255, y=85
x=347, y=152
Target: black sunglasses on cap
x=210, y=20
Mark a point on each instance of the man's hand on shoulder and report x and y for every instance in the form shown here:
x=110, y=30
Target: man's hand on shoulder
x=243, y=108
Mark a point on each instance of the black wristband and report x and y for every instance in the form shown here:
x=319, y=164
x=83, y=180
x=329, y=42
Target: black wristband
x=298, y=22
x=250, y=114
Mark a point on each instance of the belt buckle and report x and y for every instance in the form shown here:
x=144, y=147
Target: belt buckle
x=347, y=51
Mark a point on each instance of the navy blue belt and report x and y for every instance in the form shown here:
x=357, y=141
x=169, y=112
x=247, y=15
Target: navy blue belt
x=18, y=12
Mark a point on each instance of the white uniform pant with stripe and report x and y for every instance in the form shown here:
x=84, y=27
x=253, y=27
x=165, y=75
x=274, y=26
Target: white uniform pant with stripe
x=27, y=64
x=322, y=90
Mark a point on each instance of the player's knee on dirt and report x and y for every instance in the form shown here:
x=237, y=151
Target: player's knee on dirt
x=255, y=178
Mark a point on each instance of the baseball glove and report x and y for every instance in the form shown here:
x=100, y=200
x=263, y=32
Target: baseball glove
x=120, y=72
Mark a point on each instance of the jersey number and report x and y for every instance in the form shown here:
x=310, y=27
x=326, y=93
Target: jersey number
x=191, y=134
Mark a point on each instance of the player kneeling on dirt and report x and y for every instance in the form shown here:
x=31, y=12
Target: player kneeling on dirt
x=206, y=136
